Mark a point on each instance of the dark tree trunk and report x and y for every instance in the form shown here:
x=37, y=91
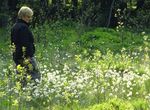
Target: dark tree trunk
x=130, y=1
x=105, y=8
x=139, y=4
x=12, y=4
x=56, y=9
x=122, y=6
x=4, y=13
x=44, y=5
x=85, y=5
x=106, y=4
x=96, y=2
x=110, y=13
x=74, y=8
x=75, y=3
x=54, y=2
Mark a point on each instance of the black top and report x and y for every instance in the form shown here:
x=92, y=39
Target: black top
x=21, y=37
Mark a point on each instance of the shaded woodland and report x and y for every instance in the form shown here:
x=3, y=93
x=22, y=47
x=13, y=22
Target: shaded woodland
x=102, y=13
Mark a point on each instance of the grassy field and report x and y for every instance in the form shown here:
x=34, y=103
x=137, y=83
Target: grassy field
x=82, y=68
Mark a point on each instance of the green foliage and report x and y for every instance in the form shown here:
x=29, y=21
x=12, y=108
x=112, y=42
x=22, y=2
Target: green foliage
x=139, y=19
x=118, y=104
x=139, y=104
x=79, y=37
x=80, y=66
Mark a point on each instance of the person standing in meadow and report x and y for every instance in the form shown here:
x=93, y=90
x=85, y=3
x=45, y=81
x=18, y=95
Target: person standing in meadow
x=23, y=42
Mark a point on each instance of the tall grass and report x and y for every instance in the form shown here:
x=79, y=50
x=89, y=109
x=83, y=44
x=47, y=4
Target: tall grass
x=81, y=69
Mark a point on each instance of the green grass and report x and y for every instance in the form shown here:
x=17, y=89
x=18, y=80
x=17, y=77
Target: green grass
x=117, y=104
x=83, y=68
x=92, y=38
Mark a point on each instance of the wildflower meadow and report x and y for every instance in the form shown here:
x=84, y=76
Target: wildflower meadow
x=96, y=73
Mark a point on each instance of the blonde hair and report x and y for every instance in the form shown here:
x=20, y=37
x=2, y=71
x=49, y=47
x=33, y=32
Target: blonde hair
x=24, y=11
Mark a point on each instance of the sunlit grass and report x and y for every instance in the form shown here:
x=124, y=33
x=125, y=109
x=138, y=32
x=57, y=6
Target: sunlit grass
x=80, y=70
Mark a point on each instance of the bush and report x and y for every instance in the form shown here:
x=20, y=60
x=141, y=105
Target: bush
x=118, y=104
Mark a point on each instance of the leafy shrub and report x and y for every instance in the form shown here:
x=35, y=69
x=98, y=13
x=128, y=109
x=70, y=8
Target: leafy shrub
x=118, y=104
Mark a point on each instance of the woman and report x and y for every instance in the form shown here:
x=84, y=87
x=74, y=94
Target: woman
x=23, y=41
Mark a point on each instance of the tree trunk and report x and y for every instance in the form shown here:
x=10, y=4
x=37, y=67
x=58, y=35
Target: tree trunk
x=139, y=4
x=96, y=2
x=110, y=13
x=84, y=5
x=106, y=8
x=74, y=8
x=57, y=5
x=4, y=13
x=54, y=2
x=12, y=4
x=75, y=3
x=44, y=5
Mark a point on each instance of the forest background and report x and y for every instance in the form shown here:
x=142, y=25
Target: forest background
x=92, y=54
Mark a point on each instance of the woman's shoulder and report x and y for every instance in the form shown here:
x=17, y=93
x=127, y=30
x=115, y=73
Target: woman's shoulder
x=21, y=23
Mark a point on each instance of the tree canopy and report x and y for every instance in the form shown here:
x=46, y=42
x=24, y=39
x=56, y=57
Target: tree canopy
x=103, y=13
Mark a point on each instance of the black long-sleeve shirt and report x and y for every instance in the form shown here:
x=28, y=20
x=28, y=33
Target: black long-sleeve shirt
x=21, y=37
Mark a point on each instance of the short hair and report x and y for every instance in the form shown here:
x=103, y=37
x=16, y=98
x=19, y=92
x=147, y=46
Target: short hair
x=24, y=11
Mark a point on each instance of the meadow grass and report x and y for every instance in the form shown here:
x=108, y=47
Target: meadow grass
x=82, y=68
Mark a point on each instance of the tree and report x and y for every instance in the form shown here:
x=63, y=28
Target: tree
x=139, y=4
x=110, y=13
x=74, y=8
x=3, y=13
x=54, y=2
x=44, y=5
x=12, y=4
